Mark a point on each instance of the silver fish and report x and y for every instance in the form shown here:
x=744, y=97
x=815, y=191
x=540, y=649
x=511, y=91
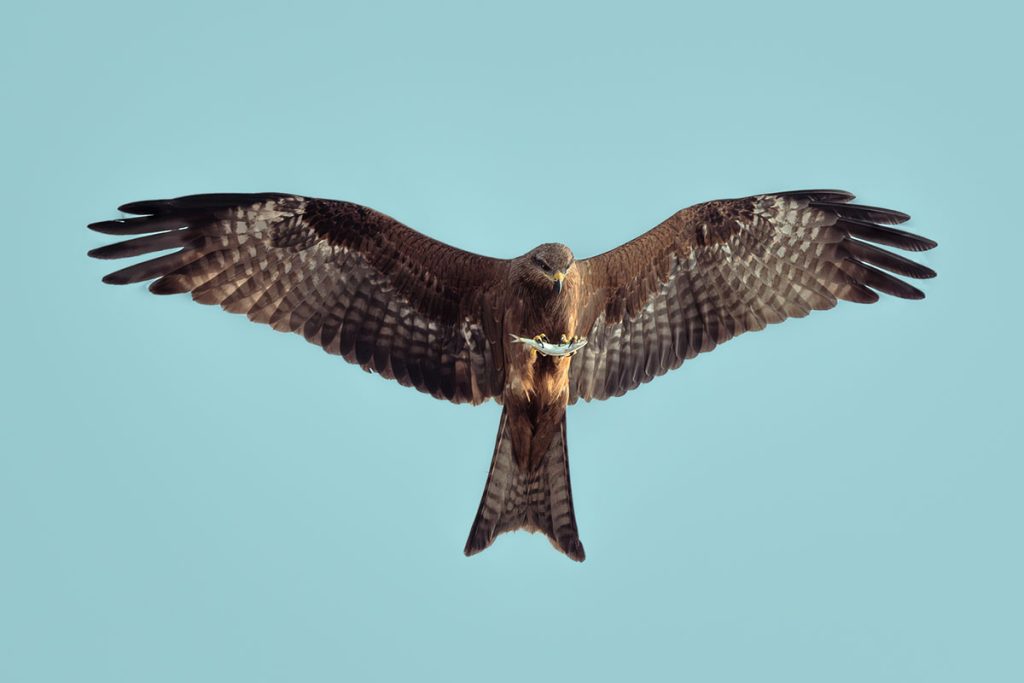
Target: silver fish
x=546, y=348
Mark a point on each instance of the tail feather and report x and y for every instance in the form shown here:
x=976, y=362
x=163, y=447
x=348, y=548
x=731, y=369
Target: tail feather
x=536, y=500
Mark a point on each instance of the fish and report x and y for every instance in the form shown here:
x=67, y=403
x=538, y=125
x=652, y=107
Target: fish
x=541, y=345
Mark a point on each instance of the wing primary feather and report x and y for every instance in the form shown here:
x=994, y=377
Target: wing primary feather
x=890, y=237
x=817, y=195
x=140, y=225
x=199, y=201
x=883, y=282
x=144, y=245
x=147, y=270
x=868, y=253
x=861, y=212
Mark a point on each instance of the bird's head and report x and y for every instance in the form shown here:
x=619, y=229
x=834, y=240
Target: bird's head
x=547, y=266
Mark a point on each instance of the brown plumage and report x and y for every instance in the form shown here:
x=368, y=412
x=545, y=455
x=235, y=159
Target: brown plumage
x=437, y=318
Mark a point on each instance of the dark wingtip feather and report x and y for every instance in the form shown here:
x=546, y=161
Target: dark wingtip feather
x=144, y=245
x=869, y=253
x=197, y=201
x=148, y=206
x=862, y=212
x=106, y=227
x=892, y=237
x=880, y=280
x=111, y=251
x=140, y=225
x=116, y=278
x=819, y=195
x=147, y=270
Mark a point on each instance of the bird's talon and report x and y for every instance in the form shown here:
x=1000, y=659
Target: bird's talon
x=542, y=338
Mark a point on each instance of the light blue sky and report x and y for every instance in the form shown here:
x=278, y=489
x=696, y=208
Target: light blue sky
x=185, y=496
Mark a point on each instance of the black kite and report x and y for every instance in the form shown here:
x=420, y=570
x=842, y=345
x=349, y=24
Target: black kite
x=409, y=308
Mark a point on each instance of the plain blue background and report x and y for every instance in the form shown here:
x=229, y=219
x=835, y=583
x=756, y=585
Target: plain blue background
x=185, y=496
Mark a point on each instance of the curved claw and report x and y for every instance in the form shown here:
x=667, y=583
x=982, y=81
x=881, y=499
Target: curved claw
x=566, y=340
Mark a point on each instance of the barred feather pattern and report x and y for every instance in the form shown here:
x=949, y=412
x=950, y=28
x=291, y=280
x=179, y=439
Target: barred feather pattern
x=539, y=499
x=716, y=270
x=347, y=278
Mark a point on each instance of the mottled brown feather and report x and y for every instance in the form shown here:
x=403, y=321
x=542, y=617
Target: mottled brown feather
x=718, y=269
x=348, y=278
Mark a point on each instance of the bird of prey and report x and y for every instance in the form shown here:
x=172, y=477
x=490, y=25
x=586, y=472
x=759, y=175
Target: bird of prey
x=452, y=323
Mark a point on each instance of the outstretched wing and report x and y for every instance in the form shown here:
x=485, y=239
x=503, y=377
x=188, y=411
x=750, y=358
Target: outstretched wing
x=348, y=278
x=715, y=270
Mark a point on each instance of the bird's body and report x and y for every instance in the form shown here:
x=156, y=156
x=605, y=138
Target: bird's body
x=530, y=461
x=446, y=321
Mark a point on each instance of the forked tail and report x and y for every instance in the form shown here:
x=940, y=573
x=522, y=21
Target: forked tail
x=537, y=500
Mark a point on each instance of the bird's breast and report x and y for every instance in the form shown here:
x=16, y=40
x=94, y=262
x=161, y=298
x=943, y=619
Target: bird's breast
x=532, y=377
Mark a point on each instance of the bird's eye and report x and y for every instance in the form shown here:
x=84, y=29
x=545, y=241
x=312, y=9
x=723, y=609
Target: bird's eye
x=539, y=262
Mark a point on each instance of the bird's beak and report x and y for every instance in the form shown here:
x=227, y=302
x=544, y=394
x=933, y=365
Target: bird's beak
x=558, y=277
